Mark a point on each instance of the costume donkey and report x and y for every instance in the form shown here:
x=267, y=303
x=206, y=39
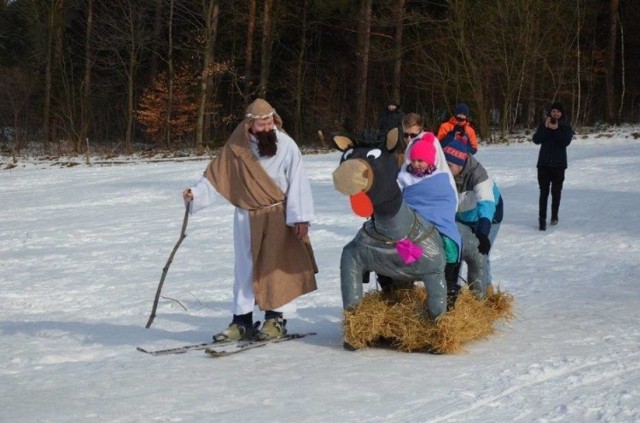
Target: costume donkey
x=396, y=242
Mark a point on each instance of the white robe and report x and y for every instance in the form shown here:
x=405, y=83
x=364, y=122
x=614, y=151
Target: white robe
x=287, y=171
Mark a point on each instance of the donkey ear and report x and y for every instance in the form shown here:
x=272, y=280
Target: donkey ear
x=342, y=142
x=393, y=138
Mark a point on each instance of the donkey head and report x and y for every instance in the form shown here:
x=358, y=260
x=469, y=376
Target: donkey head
x=367, y=172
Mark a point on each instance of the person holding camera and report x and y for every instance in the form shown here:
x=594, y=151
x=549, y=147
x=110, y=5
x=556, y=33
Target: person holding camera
x=554, y=136
x=459, y=128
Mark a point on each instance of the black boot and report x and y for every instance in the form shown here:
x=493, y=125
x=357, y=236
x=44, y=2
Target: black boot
x=543, y=224
x=385, y=282
x=270, y=314
x=243, y=319
x=451, y=271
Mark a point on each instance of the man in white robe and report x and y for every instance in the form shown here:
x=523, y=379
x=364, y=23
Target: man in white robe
x=260, y=170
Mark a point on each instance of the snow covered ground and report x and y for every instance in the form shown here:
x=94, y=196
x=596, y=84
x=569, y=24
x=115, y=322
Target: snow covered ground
x=82, y=250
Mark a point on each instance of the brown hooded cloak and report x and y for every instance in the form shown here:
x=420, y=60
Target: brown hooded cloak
x=284, y=266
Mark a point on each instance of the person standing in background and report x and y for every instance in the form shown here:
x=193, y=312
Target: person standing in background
x=391, y=117
x=459, y=128
x=554, y=136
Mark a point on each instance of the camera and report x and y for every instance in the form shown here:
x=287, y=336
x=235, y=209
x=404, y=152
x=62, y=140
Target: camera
x=553, y=121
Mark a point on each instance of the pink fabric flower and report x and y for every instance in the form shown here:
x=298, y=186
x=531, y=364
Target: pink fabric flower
x=408, y=251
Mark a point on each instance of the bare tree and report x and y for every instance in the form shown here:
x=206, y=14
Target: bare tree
x=211, y=12
x=397, y=63
x=157, y=31
x=267, y=42
x=170, y=77
x=297, y=131
x=124, y=34
x=85, y=108
x=362, y=64
x=248, y=54
x=462, y=23
x=53, y=44
x=513, y=50
x=623, y=76
x=611, y=59
x=16, y=88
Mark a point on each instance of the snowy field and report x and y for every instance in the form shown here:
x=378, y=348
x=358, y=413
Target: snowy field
x=82, y=250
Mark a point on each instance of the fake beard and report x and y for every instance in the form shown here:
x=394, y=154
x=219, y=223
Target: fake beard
x=267, y=143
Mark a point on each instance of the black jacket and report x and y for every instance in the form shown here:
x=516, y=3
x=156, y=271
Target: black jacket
x=553, y=144
x=390, y=120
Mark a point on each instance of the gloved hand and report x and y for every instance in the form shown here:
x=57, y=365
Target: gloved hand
x=485, y=245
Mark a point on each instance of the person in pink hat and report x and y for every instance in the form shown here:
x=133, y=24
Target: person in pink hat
x=428, y=191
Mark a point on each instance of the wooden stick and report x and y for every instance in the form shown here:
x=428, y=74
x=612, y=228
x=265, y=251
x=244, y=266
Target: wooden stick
x=165, y=269
x=164, y=297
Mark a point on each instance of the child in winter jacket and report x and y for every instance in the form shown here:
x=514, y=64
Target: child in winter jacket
x=428, y=191
x=480, y=203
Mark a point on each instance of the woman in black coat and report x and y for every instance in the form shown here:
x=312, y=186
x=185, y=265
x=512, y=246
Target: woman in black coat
x=554, y=136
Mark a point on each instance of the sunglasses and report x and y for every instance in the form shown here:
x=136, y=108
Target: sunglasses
x=409, y=135
x=460, y=119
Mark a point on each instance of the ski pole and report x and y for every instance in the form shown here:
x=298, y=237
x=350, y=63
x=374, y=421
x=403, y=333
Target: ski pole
x=165, y=269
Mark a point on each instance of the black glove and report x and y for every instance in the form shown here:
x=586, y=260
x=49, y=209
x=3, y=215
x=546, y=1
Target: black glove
x=484, y=244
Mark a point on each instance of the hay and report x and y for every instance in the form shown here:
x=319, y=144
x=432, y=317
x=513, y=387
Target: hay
x=398, y=320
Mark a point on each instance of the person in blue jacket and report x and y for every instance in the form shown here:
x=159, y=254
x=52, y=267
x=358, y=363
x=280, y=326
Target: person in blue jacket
x=554, y=136
x=480, y=204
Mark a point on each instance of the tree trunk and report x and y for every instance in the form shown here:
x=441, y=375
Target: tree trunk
x=170, y=77
x=211, y=15
x=397, y=65
x=128, y=144
x=248, y=54
x=611, y=59
x=132, y=66
x=297, y=118
x=48, y=76
x=267, y=41
x=578, y=109
x=85, y=105
x=475, y=76
x=622, y=72
x=157, y=31
x=362, y=64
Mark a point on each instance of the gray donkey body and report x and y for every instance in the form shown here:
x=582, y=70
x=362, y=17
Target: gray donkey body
x=369, y=168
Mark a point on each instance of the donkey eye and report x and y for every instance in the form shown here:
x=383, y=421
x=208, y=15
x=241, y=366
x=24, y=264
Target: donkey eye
x=347, y=154
x=374, y=154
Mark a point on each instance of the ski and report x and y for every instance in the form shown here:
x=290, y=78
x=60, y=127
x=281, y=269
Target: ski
x=194, y=347
x=185, y=348
x=251, y=344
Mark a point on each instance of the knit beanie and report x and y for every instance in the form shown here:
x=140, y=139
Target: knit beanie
x=456, y=152
x=558, y=106
x=461, y=109
x=424, y=150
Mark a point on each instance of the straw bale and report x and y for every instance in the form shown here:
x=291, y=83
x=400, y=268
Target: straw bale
x=399, y=320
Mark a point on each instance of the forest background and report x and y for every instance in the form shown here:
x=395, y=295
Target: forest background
x=120, y=76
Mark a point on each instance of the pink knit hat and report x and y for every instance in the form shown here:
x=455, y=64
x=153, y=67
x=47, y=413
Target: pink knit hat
x=424, y=149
